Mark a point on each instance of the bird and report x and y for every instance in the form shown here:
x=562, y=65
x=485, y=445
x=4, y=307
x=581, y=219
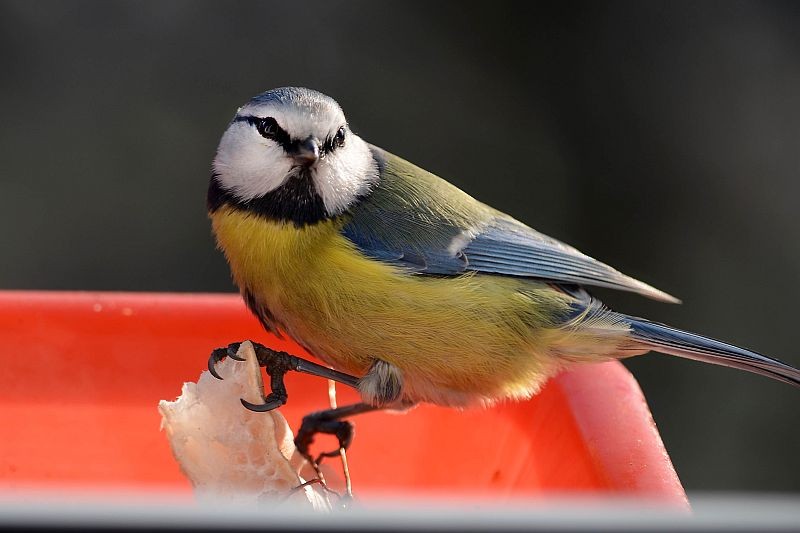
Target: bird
x=389, y=273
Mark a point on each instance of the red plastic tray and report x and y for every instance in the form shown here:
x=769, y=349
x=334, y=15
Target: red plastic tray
x=82, y=374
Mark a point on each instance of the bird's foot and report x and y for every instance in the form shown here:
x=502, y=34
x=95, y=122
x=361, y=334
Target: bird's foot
x=330, y=422
x=277, y=364
x=321, y=422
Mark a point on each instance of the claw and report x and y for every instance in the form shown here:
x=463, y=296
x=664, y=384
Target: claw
x=268, y=405
x=216, y=356
x=344, y=434
x=313, y=424
x=233, y=351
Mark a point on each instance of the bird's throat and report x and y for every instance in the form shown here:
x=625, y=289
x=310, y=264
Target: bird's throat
x=296, y=201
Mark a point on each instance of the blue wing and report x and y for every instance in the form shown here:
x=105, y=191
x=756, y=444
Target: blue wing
x=417, y=221
x=511, y=248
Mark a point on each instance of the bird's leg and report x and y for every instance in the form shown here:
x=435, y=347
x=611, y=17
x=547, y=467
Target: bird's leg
x=277, y=364
x=380, y=388
x=330, y=422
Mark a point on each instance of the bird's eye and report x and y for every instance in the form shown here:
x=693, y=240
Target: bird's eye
x=338, y=140
x=267, y=127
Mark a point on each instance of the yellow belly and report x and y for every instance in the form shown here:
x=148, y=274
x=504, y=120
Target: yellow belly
x=476, y=337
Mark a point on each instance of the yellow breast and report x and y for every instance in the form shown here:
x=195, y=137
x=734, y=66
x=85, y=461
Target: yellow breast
x=479, y=335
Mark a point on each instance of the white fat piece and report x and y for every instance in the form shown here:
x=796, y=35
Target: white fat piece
x=249, y=165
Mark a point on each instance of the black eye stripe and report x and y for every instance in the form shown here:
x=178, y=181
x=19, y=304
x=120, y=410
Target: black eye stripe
x=267, y=127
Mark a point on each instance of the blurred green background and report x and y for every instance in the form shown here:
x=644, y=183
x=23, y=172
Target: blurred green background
x=660, y=137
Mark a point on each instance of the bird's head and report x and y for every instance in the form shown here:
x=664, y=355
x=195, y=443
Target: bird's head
x=289, y=155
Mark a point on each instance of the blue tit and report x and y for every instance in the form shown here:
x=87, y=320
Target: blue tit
x=387, y=272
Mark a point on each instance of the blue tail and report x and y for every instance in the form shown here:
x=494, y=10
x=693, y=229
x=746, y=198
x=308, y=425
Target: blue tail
x=673, y=341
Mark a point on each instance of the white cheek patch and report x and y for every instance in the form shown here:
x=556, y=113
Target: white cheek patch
x=345, y=174
x=249, y=165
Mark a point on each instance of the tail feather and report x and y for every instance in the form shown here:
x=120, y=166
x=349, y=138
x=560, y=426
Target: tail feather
x=673, y=341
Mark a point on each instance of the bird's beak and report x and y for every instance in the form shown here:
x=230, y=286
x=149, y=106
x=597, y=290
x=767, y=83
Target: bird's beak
x=307, y=151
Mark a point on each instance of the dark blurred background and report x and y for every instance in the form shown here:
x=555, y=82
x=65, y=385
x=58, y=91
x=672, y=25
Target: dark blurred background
x=660, y=137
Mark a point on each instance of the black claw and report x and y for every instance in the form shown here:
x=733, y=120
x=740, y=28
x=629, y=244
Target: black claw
x=216, y=356
x=268, y=405
x=341, y=429
x=277, y=364
x=233, y=350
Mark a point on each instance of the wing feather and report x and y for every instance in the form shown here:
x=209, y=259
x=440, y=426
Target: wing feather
x=510, y=247
x=415, y=220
